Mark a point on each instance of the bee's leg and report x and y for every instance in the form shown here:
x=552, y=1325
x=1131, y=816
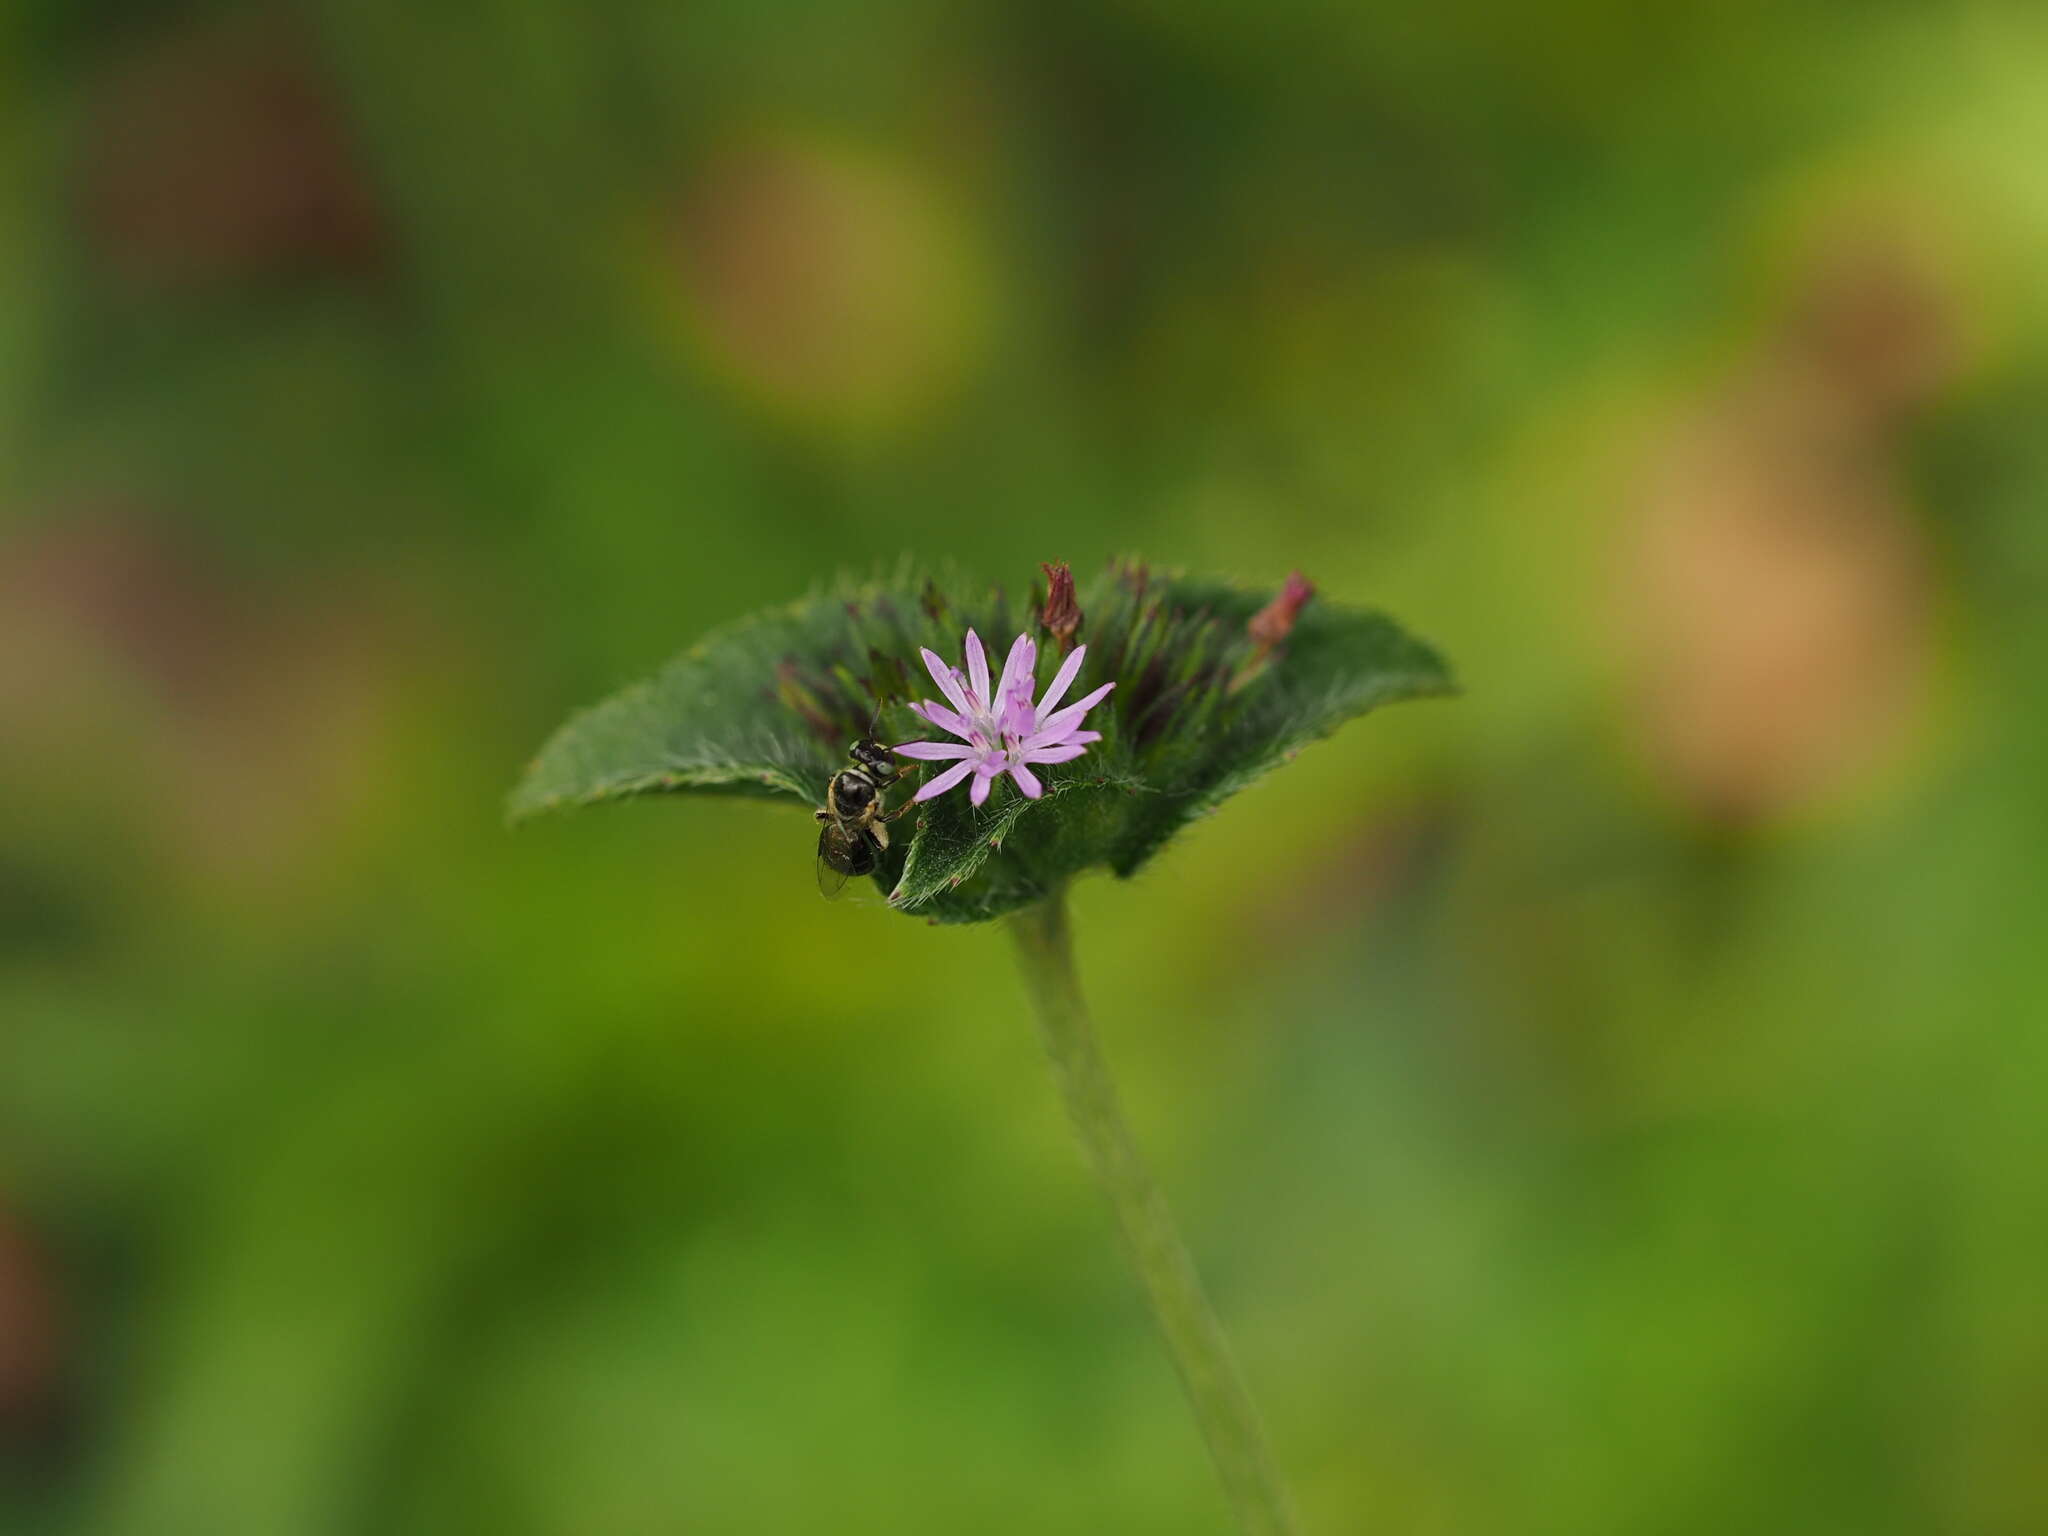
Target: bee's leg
x=906, y=805
x=821, y=815
x=880, y=833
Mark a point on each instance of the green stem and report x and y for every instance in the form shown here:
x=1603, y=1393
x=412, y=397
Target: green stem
x=1194, y=1338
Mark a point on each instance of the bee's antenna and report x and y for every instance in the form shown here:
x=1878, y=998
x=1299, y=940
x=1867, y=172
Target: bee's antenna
x=875, y=720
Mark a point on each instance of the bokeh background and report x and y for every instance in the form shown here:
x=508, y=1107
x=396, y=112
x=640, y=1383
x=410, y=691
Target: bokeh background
x=1611, y=1102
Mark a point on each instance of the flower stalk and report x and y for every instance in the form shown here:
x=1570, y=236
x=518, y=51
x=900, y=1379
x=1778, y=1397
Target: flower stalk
x=1209, y=1376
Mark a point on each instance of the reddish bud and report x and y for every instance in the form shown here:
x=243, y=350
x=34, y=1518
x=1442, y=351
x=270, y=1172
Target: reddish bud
x=1272, y=624
x=1270, y=627
x=1062, y=614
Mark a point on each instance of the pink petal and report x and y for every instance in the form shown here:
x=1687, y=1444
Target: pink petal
x=1019, y=719
x=1062, y=680
x=945, y=781
x=977, y=671
x=934, y=751
x=942, y=717
x=1055, y=727
x=1017, y=670
x=978, y=791
x=948, y=684
x=1065, y=752
x=1026, y=781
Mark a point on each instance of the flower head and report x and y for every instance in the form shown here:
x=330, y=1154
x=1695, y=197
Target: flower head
x=1001, y=730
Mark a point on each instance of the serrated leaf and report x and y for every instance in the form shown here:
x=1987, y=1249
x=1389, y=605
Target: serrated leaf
x=768, y=707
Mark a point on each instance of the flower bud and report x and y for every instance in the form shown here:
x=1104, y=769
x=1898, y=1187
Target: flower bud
x=1272, y=624
x=1062, y=614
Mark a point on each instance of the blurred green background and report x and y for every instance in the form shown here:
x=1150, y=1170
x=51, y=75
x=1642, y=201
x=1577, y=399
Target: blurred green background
x=1609, y=1102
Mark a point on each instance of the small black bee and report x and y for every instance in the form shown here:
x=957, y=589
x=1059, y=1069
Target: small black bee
x=854, y=831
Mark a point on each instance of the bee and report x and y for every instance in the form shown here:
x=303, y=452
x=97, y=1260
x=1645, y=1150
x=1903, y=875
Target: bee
x=853, y=831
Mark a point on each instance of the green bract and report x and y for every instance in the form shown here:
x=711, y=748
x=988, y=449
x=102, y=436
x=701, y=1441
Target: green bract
x=768, y=706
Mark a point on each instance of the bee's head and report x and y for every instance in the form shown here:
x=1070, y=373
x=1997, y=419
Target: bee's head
x=872, y=754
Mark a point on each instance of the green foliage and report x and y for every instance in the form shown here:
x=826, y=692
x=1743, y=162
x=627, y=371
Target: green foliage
x=768, y=707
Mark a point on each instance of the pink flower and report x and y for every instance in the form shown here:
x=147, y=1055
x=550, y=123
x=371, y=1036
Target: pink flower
x=1001, y=731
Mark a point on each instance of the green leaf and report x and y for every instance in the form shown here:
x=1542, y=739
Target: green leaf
x=769, y=706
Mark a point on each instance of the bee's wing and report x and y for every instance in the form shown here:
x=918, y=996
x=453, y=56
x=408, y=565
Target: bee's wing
x=833, y=858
